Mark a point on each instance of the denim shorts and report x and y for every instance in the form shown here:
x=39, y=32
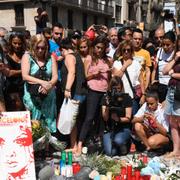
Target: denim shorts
x=172, y=107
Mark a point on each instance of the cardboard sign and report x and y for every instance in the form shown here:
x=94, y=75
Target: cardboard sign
x=16, y=147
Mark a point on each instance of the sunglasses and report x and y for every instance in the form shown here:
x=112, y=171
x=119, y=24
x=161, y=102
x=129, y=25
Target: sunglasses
x=160, y=37
x=76, y=37
x=126, y=50
x=41, y=47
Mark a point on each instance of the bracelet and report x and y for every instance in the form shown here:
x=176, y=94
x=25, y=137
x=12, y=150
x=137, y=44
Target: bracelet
x=68, y=90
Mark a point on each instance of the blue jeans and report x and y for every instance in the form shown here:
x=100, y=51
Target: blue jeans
x=135, y=106
x=116, y=143
x=80, y=98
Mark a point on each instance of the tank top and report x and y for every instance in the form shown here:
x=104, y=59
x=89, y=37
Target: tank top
x=79, y=84
x=14, y=83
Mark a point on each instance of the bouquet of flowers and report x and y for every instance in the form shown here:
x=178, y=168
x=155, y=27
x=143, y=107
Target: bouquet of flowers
x=42, y=137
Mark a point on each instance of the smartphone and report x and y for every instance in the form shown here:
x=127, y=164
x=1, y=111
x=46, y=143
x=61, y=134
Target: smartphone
x=97, y=27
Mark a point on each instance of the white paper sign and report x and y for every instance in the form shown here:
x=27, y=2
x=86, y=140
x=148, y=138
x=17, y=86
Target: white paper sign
x=16, y=147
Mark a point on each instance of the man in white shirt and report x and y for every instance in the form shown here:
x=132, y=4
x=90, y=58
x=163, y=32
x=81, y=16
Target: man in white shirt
x=113, y=37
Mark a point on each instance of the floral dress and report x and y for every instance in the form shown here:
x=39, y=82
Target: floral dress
x=45, y=111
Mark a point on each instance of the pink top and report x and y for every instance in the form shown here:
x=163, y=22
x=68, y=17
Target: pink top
x=99, y=83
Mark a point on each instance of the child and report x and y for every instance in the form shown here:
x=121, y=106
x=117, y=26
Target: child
x=150, y=124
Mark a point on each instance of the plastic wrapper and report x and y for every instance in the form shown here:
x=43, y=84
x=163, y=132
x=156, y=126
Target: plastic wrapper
x=42, y=142
x=56, y=144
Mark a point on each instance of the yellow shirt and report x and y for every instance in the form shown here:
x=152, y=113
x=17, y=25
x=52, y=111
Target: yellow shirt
x=143, y=57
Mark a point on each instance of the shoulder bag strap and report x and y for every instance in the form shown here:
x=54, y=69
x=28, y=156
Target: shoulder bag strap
x=128, y=78
x=157, y=70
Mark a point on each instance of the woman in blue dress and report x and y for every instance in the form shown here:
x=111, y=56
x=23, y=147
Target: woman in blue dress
x=39, y=71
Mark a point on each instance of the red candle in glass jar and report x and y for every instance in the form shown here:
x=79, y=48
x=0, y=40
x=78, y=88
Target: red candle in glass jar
x=133, y=177
x=129, y=171
x=147, y=177
x=76, y=168
x=145, y=159
x=123, y=170
x=118, y=178
x=137, y=174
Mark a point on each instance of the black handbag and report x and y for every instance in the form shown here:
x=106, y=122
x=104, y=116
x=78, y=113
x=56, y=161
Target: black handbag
x=177, y=93
x=33, y=89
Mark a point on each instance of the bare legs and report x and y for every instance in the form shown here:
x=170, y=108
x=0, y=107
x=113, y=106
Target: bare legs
x=175, y=132
x=151, y=142
x=2, y=106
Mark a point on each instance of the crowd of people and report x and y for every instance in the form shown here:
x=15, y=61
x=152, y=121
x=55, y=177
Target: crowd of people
x=126, y=84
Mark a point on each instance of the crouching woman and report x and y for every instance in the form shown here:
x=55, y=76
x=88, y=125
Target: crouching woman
x=116, y=112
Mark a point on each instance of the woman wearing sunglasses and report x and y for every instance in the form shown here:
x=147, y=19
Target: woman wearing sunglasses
x=129, y=71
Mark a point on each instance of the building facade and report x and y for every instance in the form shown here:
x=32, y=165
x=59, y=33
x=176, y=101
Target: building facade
x=73, y=14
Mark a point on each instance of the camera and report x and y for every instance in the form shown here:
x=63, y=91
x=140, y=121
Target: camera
x=168, y=15
x=116, y=102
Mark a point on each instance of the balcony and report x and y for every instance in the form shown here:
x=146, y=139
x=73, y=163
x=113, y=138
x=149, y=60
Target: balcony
x=10, y=1
x=89, y=5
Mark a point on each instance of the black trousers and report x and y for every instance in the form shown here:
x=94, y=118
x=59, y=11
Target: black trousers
x=93, y=104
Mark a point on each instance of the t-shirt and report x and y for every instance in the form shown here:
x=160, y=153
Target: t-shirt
x=143, y=57
x=54, y=48
x=117, y=104
x=101, y=82
x=55, y=51
x=158, y=114
x=112, y=50
x=162, y=59
x=134, y=71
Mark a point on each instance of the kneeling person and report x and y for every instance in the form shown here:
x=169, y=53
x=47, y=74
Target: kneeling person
x=117, y=112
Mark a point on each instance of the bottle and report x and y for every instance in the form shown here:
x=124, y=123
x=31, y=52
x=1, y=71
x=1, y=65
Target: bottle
x=63, y=157
x=70, y=158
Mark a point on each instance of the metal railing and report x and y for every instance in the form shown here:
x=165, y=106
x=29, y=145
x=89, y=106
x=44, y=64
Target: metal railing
x=89, y=5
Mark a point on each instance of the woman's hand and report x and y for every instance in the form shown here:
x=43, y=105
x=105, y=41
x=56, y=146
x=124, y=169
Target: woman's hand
x=177, y=56
x=142, y=100
x=67, y=94
x=171, y=72
x=115, y=117
x=47, y=85
x=42, y=90
x=6, y=71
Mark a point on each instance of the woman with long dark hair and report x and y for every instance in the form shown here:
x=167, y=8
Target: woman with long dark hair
x=12, y=71
x=116, y=113
x=97, y=71
x=172, y=103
